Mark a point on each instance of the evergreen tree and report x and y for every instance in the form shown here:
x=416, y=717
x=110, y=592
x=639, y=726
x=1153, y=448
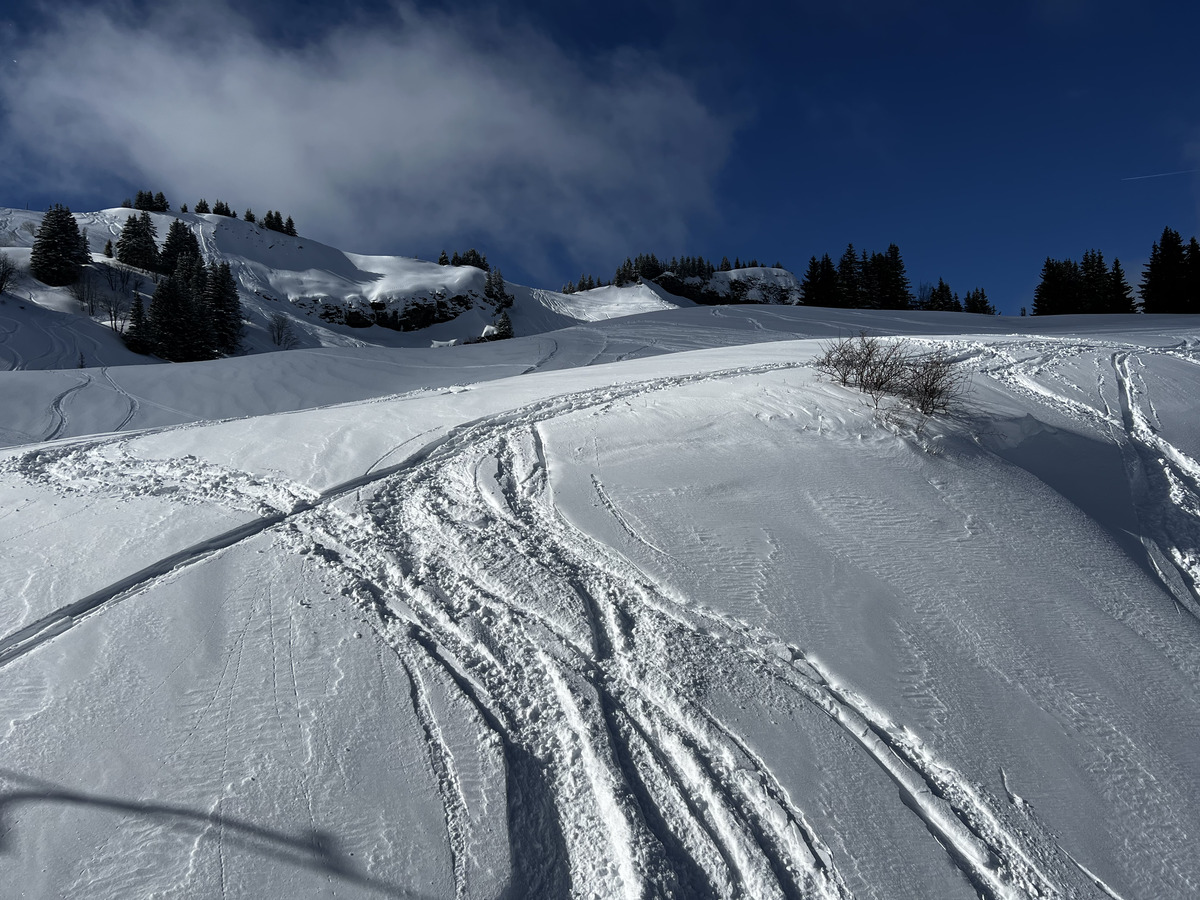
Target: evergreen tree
x=136, y=246
x=1165, y=281
x=160, y=203
x=289, y=227
x=249, y=215
x=1060, y=292
x=504, y=328
x=942, y=299
x=181, y=241
x=494, y=290
x=1119, y=298
x=59, y=248
x=1095, y=283
x=976, y=301
x=726, y=265
x=224, y=308
x=895, y=290
x=202, y=206
x=849, y=273
x=1192, y=278
x=183, y=207
x=137, y=334
x=221, y=208
x=108, y=248
x=443, y=260
x=820, y=285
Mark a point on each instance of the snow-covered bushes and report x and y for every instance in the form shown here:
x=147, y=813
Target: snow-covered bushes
x=931, y=382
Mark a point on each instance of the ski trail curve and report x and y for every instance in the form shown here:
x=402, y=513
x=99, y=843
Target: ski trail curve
x=57, y=414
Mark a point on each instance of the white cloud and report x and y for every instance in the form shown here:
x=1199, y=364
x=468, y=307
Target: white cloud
x=415, y=130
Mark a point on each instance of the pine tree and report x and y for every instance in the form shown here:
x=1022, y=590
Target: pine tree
x=225, y=309
x=849, y=279
x=136, y=246
x=1192, y=277
x=59, y=248
x=976, y=301
x=504, y=328
x=181, y=241
x=183, y=207
x=895, y=290
x=137, y=334
x=289, y=227
x=1119, y=298
x=202, y=206
x=1165, y=281
x=108, y=248
x=443, y=260
x=1095, y=283
x=160, y=203
x=1060, y=291
x=942, y=299
x=249, y=215
x=494, y=290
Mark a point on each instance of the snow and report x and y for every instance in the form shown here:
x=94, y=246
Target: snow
x=640, y=606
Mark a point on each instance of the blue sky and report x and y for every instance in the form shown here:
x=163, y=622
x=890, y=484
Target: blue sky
x=560, y=137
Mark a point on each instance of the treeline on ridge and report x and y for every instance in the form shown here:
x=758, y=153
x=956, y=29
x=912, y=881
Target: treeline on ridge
x=146, y=201
x=1170, y=282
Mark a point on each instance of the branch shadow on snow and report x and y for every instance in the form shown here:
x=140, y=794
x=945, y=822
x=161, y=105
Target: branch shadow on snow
x=313, y=849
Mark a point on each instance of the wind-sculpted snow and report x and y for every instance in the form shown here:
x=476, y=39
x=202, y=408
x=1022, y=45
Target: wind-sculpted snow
x=694, y=626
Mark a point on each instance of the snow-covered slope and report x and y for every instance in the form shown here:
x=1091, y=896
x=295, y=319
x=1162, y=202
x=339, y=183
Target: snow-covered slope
x=329, y=296
x=642, y=607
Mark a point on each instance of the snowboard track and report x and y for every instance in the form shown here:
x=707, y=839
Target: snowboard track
x=573, y=657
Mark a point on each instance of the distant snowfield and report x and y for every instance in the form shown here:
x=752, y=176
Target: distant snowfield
x=640, y=607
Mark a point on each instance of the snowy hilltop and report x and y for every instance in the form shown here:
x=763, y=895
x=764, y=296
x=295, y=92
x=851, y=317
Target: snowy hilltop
x=639, y=603
x=294, y=292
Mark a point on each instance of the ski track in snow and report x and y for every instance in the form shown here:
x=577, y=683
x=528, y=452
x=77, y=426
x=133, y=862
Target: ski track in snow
x=620, y=776
x=57, y=413
x=1164, y=479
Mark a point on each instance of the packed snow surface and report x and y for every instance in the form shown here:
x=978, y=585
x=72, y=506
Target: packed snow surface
x=642, y=607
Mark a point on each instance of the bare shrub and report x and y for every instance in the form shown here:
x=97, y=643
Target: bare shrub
x=881, y=368
x=115, y=305
x=279, y=327
x=84, y=290
x=8, y=269
x=934, y=382
x=839, y=361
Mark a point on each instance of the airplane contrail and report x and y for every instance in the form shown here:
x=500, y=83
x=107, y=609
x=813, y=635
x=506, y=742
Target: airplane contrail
x=1161, y=175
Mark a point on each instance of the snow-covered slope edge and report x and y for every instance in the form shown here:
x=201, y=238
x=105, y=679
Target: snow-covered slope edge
x=698, y=623
x=329, y=297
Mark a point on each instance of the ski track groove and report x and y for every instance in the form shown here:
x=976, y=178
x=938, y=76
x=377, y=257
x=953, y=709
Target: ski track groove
x=454, y=804
x=412, y=561
x=134, y=405
x=57, y=415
